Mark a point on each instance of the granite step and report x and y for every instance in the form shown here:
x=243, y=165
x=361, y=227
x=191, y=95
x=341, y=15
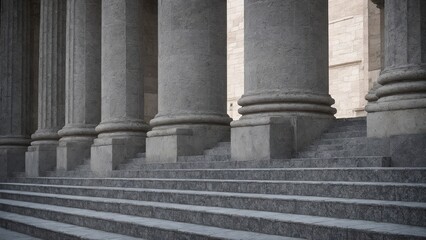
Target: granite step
x=411, y=192
x=218, y=151
x=292, y=225
x=141, y=227
x=326, y=147
x=205, y=158
x=46, y=229
x=205, y=205
x=342, y=141
x=347, y=128
x=350, y=121
x=347, y=152
x=366, y=161
x=402, y=175
x=11, y=235
x=339, y=135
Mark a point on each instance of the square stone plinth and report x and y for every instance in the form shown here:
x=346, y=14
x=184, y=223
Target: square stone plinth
x=107, y=153
x=70, y=154
x=278, y=137
x=39, y=159
x=166, y=145
x=12, y=159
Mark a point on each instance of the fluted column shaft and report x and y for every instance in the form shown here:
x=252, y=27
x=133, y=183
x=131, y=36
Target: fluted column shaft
x=15, y=73
x=83, y=82
x=192, y=78
x=286, y=77
x=401, y=98
x=41, y=156
x=122, y=130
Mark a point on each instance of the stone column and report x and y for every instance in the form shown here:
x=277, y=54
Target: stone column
x=122, y=131
x=15, y=74
x=286, y=103
x=192, y=79
x=83, y=82
x=401, y=99
x=41, y=155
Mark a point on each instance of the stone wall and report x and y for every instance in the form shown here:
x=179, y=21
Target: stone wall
x=235, y=55
x=354, y=54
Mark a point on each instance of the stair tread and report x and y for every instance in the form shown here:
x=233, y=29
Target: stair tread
x=238, y=180
x=149, y=222
x=226, y=194
x=6, y=234
x=368, y=226
x=73, y=230
x=421, y=205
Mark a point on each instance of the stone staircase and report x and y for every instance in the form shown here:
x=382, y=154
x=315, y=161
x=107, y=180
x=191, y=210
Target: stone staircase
x=337, y=188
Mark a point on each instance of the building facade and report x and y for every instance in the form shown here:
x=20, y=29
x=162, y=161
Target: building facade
x=79, y=79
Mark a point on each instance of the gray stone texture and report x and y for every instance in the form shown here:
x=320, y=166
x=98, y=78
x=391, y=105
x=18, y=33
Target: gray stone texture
x=401, y=105
x=41, y=155
x=192, y=80
x=286, y=79
x=122, y=130
x=83, y=83
x=15, y=82
x=397, y=109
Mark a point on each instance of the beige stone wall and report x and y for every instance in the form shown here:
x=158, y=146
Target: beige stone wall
x=354, y=54
x=235, y=55
x=346, y=34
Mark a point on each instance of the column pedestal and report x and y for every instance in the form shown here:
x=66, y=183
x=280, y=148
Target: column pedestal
x=41, y=155
x=192, y=80
x=398, y=115
x=286, y=104
x=15, y=81
x=122, y=131
x=83, y=83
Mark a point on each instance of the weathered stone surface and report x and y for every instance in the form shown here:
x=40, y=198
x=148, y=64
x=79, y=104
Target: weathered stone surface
x=41, y=155
x=15, y=82
x=192, y=80
x=401, y=105
x=83, y=83
x=292, y=84
x=122, y=130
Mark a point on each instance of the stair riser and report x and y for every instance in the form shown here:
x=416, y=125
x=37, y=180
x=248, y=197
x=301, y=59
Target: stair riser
x=336, y=153
x=350, y=128
x=378, y=213
x=378, y=192
x=358, y=175
x=36, y=232
x=344, y=135
x=292, y=229
x=204, y=158
x=124, y=228
x=285, y=163
x=342, y=141
x=82, y=174
x=218, y=151
x=324, y=147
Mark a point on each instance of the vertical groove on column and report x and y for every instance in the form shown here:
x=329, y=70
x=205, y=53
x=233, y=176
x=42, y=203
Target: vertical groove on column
x=14, y=72
x=52, y=66
x=83, y=75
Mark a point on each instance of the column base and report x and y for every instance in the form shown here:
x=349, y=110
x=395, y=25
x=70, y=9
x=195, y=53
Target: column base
x=70, y=154
x=40, y=158
x=396, y=122
x=274, y=137
x=109, y=152
x=167, y=144
x=12, y=159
